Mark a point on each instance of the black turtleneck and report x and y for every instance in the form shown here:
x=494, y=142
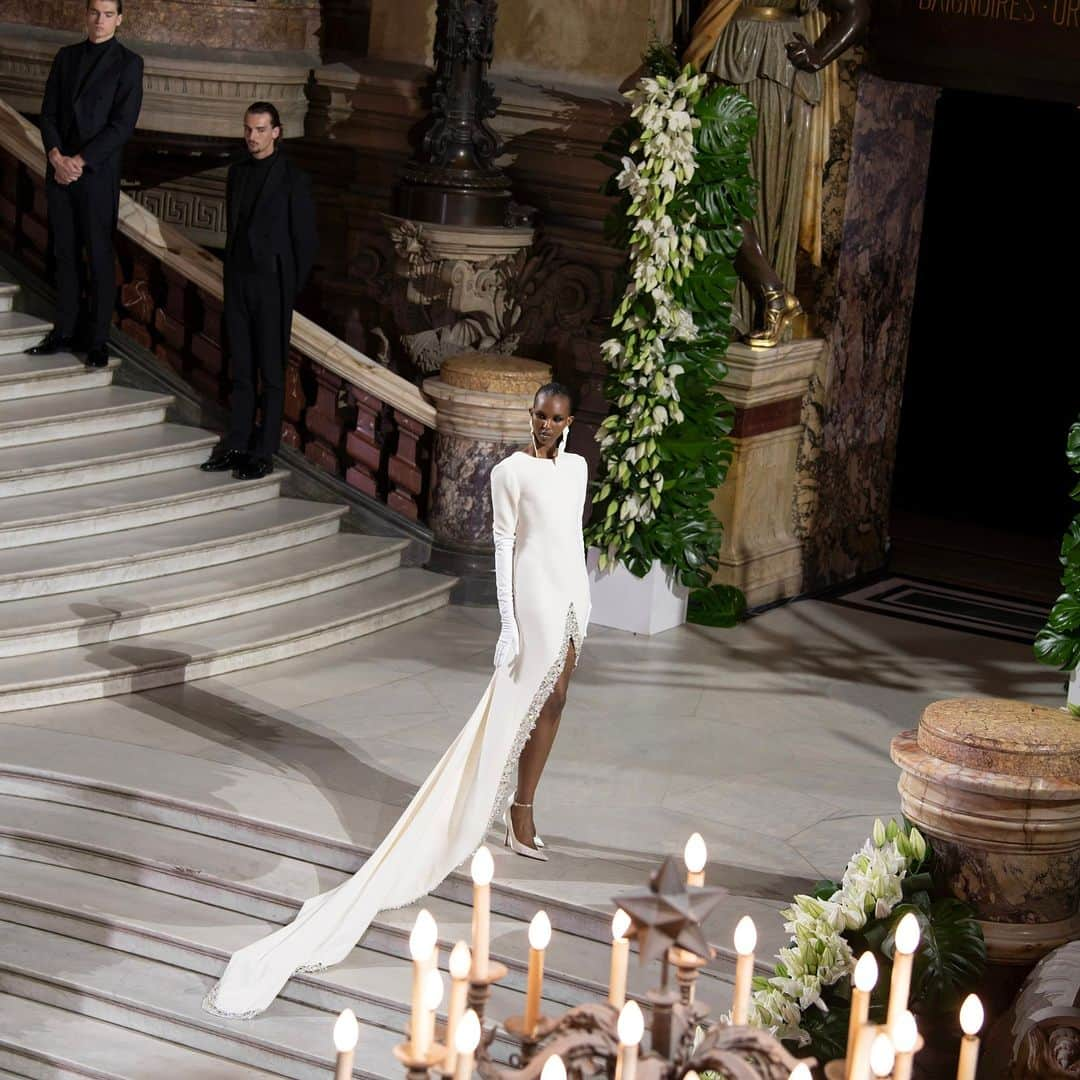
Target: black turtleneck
x=90, y=55
x=254, y=176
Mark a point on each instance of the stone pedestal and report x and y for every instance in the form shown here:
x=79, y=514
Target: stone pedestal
x=458, y=288
x=482, y=402
x=996, y=786
x=760, y=553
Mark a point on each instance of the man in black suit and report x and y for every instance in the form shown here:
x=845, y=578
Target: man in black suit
x=91, y=104
x=269, y=250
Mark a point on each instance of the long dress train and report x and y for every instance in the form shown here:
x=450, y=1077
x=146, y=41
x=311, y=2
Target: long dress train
x=539, y=502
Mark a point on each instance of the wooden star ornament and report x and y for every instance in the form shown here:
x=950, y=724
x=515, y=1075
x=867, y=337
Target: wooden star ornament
x=670, y=914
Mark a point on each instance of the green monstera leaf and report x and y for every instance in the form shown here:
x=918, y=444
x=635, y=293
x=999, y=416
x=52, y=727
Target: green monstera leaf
x=951, y=954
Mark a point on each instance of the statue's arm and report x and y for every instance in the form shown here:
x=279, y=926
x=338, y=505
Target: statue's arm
x=848, y=20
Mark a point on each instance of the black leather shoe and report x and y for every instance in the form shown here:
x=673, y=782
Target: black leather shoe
x=221, y=460
x=52, y=344
x=255, y=468
x=98, y=356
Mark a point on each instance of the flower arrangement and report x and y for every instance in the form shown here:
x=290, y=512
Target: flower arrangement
x=1058, y=642
x=807, y=1000
x=683, y=180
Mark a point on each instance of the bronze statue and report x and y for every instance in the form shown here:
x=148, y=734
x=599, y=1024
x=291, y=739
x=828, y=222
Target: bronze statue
x=759, y=47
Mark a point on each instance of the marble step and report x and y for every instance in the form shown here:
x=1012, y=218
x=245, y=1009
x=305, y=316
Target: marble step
x=271, y=888
x=227, y=644
x=165, y=1002
x=78, y=412
x=157, y=550
x=43, y=1042
x=128, y=609
x=19, y=331
x=117, y=505
x=23, y=376
x=199, y=938
x=93, y=459
x=340, y=834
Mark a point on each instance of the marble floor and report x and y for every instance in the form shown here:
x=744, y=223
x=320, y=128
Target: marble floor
x=770, y=739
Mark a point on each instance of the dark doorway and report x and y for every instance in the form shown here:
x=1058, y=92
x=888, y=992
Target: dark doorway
x=993, y=377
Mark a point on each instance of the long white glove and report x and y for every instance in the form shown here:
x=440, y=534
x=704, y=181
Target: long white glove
x=509, y=644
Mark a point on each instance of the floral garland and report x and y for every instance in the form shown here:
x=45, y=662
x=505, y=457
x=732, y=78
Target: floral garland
x=661, y=251
x=885, y=877
x=682, y=175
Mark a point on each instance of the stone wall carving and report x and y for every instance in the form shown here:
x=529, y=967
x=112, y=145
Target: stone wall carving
x=196, y=206
x=191, y=90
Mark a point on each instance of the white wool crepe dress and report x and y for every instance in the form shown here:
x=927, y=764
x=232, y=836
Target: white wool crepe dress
x=539, y=502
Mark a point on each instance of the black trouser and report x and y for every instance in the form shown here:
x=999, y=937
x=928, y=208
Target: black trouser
x=83, y=215
x=254, y=321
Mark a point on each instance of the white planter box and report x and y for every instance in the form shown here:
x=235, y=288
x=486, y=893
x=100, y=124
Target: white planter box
x=1074, y=688
x=648, y=605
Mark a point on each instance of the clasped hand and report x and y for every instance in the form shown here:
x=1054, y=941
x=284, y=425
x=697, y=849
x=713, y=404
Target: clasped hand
x=803, y=54
x=66, y=169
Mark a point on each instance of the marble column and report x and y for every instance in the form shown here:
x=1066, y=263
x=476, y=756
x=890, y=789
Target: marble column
x=482, y=402
x=995, y=785
x=761, y=553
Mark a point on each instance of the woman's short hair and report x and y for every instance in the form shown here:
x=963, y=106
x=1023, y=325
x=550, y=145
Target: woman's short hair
x=555, y=389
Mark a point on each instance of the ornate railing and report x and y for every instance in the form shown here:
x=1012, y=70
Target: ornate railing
x=347, y=414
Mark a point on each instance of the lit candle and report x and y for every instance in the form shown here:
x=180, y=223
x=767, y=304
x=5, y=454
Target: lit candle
x=904, y=1039
x=864, y=980
x=907, y=941
x=460, y=965
x=620, y=958
x=882, y=1055
x=422, y=942
x=466, y=1042
x=346, y=1032
x=971, y=1020
x=483, y=870
x=695, y=855
x=631, y=1027
x=800, y=1072
x=553, y=1069
x=539, y=937
x=745, y=940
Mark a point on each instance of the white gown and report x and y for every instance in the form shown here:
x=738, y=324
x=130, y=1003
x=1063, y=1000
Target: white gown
x=540, y=503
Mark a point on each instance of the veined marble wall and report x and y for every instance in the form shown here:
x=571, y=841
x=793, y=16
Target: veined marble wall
x=861, y=298
x=214, y=24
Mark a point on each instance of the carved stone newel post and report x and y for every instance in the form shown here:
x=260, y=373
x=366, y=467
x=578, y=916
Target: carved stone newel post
x=452, y=180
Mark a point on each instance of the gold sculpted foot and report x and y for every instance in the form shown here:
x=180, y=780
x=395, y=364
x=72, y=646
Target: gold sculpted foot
x=781, y=310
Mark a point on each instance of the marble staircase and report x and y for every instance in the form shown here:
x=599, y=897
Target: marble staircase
x=122, y=566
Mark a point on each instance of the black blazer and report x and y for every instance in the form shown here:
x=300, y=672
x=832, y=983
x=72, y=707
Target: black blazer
x=281, y=227
x=96, y=119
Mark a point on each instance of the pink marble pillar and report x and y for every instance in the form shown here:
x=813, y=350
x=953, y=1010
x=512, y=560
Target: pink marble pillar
x=995, y=785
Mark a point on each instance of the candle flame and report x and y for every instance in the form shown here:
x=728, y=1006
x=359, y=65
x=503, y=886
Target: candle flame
x=745, y=936
x=539, y=931
x=631, y=1025
x=971, y=1015
x=346, y=1032
x=460, y=961
x=695, y=853
x=468, y=1033
x=907, y=934
x=424, y=936
x=483, y=867
x=800, y=1072
x=905, y=1032
x=866, y=972
x=553, y=1069
x=882, y=1055
x=620, y=924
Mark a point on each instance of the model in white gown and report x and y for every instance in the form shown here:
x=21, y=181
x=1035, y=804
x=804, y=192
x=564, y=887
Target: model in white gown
x=537, y=508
